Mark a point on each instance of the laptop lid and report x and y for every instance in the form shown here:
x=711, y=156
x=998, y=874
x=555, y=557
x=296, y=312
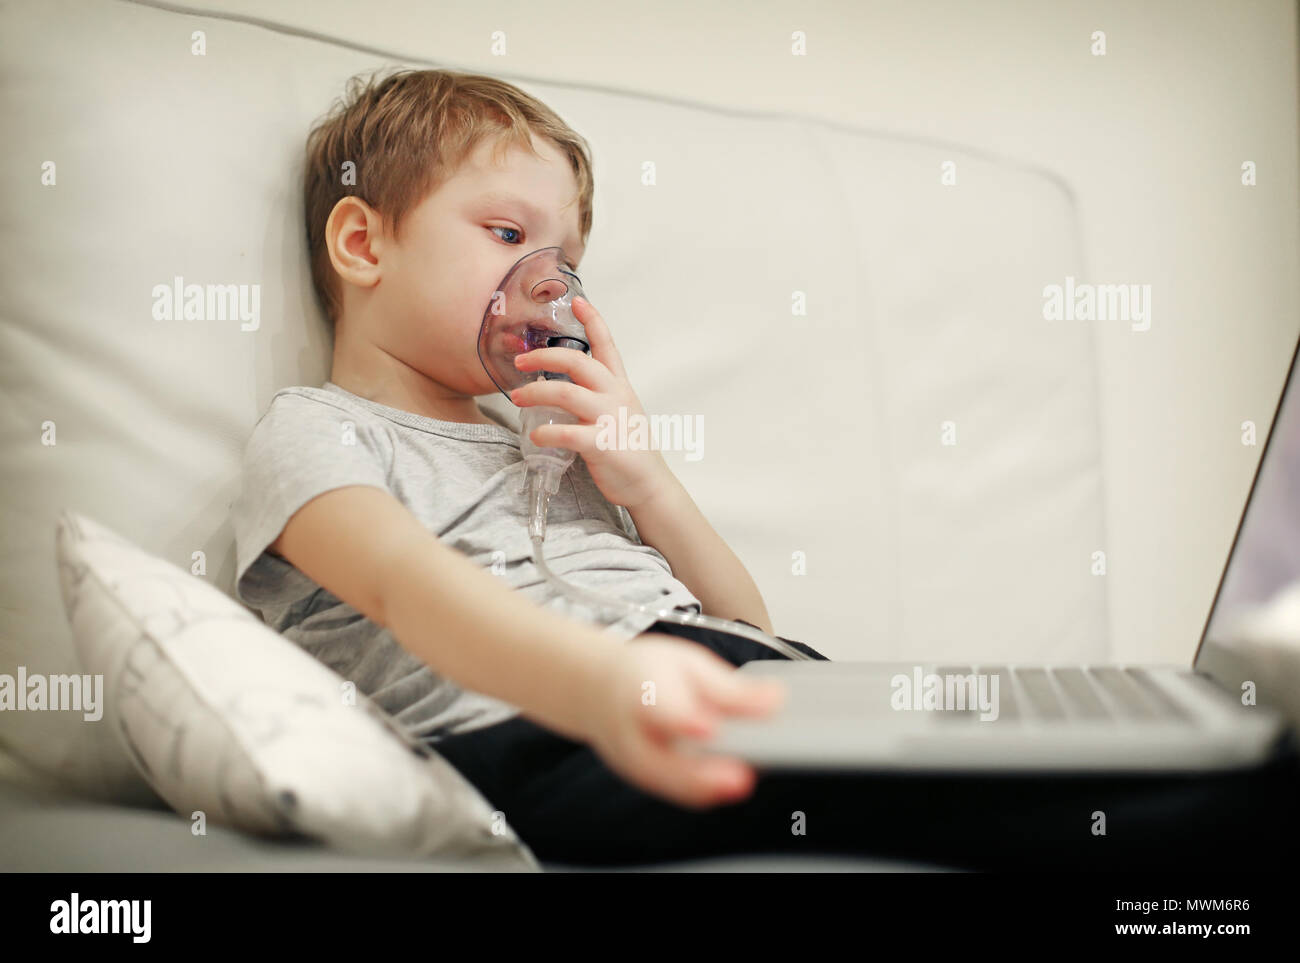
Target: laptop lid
x=1251, y=640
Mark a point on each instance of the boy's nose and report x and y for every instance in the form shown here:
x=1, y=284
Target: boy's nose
x=552, y=289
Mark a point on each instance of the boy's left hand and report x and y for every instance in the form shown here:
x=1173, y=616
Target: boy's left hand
x=599, y=387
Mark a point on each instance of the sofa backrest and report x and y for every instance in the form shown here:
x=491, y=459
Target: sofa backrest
x=900, y=447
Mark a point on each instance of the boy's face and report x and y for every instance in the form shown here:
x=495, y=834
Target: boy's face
x=457, y=245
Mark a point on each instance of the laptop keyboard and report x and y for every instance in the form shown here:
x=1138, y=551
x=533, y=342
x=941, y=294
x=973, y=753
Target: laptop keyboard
x=1096, y=694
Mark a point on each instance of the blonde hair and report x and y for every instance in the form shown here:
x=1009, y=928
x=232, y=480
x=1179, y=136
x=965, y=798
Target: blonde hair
x=406, y=134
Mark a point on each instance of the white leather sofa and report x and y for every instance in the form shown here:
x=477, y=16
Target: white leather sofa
x=828, y=463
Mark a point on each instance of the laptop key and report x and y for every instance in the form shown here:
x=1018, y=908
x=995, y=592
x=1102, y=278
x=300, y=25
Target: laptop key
x=1008, y=705
x=1123, y=693
x=1166, y=707
x=1005, y=706
x=1042, y=697
x=971, y=710
x=1081, y=698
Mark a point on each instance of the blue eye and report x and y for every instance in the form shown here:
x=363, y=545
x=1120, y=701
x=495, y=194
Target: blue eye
x=514, y=229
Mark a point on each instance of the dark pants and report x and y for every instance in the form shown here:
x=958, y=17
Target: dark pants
x=570, y=808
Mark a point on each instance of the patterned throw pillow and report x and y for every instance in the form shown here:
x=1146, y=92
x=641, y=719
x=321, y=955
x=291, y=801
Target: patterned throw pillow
x=227, y=718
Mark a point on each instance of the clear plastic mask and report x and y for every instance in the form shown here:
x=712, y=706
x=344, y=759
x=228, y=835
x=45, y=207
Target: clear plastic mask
x=531, y=308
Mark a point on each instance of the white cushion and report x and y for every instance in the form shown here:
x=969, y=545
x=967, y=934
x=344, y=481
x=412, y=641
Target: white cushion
x=822, y=430
x=224, y=716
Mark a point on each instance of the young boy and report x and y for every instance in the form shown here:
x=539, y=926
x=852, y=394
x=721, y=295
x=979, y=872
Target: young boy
x=376, y=509
x=381, y=527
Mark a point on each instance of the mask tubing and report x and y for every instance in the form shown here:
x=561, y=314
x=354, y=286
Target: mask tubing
x=538, y=499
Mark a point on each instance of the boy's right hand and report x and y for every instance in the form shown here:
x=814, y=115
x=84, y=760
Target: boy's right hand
x=657, y=688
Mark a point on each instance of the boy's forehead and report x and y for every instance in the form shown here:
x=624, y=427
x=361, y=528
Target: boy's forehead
x=542, y=189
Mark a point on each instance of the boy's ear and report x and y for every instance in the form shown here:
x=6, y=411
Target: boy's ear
x=353, y=238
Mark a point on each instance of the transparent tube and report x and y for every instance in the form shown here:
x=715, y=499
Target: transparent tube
x=538, y=479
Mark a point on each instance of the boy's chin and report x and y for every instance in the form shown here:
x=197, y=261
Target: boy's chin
x=483, y=386
x=472, y=385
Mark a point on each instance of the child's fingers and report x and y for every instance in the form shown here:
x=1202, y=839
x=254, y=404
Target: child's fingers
x=729, y=692
x=575, y=399
x=585, y=370
x=579, y=438
x=602, y=342
x=696, y=781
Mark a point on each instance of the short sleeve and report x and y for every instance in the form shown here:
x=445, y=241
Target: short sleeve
x=300, y=448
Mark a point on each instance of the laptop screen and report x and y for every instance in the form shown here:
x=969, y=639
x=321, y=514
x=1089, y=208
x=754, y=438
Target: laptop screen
x=1258, y=602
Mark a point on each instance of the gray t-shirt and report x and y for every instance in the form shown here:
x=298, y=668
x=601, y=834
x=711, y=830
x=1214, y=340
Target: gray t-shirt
x=462, y=481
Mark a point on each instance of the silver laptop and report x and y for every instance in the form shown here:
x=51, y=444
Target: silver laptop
x=1232, y=709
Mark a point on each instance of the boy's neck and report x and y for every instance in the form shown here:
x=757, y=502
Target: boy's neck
x=372, y=373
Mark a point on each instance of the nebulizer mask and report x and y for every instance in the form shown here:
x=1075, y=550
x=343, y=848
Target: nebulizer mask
x=533, y=308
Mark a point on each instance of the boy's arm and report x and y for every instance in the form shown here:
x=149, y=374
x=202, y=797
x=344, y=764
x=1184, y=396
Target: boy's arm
x=364, y=546
x=672, y=523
